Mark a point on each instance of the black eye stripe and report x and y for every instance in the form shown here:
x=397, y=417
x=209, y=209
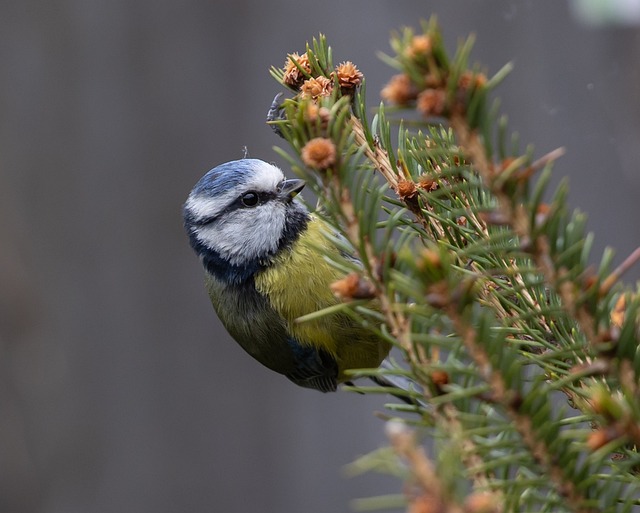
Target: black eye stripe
x=262, y=197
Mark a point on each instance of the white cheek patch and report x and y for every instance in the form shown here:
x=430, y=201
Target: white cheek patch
x=201, y=206
x=245, y=234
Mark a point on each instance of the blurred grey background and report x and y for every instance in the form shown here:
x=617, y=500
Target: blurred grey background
x=119, y=391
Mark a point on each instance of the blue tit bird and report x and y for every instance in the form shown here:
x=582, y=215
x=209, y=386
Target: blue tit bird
x=264, y=256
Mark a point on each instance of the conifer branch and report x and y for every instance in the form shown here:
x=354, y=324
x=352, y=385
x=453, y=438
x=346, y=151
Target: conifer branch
x=511, y=401
x=486, y=289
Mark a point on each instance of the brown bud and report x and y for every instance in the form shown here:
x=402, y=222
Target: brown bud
x=316, y=87
x=349, y=77
x=618, y=312
x=406, y=189
x=602, y=437
x=319, y=153
x=482, y=502
x=353, y=286
x=471, y=80
x=431, y=102
x=440, y=377
x=399, y=91
x=425, y=504
x=427, y=183
x=419, y=45
x=292, y=75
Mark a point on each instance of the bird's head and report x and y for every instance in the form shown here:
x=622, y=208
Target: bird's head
x=241, y=213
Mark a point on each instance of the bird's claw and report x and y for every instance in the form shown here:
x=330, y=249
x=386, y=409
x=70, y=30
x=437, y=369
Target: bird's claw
x=276, y=113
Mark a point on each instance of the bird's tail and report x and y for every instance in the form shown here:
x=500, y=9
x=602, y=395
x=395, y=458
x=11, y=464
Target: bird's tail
x=395, y=382
x=399, y=385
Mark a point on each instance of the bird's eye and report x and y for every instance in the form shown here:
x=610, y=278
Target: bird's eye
x=249, y=199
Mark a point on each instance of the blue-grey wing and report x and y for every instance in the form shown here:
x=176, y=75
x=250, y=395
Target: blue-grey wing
x=313, y=368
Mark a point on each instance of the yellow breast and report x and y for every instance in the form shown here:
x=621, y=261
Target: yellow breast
x=297, y=283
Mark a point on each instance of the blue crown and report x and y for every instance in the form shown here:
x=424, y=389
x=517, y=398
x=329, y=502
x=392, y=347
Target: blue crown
x=226, y=176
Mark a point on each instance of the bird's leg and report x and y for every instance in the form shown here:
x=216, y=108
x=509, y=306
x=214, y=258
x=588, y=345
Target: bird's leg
x=276, y=113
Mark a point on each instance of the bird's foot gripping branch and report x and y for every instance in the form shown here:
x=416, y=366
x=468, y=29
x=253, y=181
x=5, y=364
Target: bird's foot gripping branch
x=526, y=354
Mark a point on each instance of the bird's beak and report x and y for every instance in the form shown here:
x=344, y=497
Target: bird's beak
x=290, y=188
